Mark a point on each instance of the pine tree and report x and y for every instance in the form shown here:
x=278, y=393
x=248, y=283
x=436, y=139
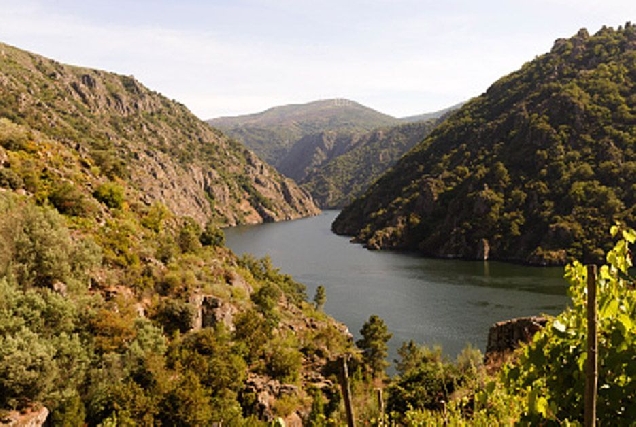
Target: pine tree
x=320, y=298
x=375, y=336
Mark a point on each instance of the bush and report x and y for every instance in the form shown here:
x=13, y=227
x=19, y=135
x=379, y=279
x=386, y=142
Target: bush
x=212, y=235
x=68, y=200
x=174, y=315
x=111, y=194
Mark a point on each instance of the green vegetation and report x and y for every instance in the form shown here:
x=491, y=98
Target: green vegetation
x=272, y=133
x=116, y=309
x=375, y=336
x=534, y=170
x=350, y=171
x=320, y=297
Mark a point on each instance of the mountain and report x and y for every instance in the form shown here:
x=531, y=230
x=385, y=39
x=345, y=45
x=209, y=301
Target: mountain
x=132, y=132
x=119, y=303
x=273, y=132
x=336, y=176
x=305, y=143
x=434, y=115
x=534, y=170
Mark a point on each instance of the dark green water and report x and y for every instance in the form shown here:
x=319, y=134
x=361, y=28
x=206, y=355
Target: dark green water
x=446, y=302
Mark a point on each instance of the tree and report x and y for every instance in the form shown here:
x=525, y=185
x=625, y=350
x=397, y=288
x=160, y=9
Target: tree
x=320, y=298
x=188, y=237
x=212, y=235
x=375, y=336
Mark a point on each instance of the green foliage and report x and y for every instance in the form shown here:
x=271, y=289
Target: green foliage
x=284, y=360
x=320, y=297
x=38, y=249
x=174, y=315
x=69, y=200
x=187, y=404
x=263, y=270
x=212, y=235
x=111, y=194
x=550, y=374
x=12, y=136
x=94, y=322
x=155, y=217
x=188, y=237
x=375, y=336
x=428, y=381
x=355, y=162
x=27, y=368
x=42, y=356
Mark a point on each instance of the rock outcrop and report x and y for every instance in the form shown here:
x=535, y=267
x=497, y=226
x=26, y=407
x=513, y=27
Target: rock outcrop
x=504, y=337
x=32, y=417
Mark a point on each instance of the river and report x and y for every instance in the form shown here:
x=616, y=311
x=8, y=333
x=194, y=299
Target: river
x=429, y=301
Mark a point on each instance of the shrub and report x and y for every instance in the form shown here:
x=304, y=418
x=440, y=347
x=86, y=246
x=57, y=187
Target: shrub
x=111, y=194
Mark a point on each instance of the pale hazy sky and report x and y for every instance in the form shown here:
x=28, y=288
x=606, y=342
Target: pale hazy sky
x=401, y=57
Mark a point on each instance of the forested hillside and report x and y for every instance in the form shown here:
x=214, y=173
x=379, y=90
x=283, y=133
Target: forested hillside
x=156, y=144
x=535, y=170
x=336, y=179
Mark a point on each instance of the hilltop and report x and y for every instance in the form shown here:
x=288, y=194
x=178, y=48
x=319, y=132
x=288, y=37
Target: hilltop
x=534, y=170
x=272, y=133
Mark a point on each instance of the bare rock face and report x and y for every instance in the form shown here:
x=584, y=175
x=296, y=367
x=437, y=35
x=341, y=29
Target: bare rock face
x=507, y=335
x=32, y=417
x=210, y=310
x=266, y=391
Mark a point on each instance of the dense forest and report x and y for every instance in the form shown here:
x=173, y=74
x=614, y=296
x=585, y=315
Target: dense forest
x=534, y=170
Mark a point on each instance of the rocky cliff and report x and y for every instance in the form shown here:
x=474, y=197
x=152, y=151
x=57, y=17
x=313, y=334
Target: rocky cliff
x=130, y=131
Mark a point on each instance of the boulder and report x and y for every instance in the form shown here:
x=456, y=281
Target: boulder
x=506, y=336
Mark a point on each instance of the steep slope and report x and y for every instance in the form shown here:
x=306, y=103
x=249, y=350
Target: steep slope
x=339, y=176
x=130, y=131
x=534, y=170
x=116, y=309
x=272, y=133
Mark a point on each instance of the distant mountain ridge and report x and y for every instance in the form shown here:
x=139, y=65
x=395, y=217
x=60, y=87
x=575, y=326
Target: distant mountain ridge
x=273, y=132
x=535, y=170
x=433, y=115
x=300, y=140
